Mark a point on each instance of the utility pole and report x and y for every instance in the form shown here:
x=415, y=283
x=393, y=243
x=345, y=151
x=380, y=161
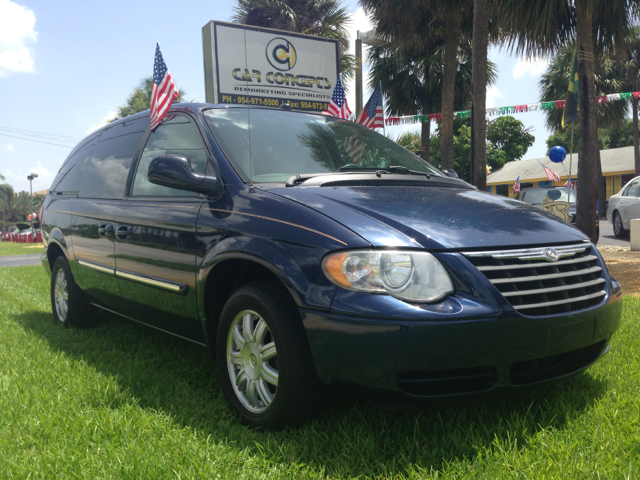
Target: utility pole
x=30, y=178
x=368, y=38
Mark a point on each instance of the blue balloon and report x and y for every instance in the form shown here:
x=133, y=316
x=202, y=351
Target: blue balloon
x=557, y=154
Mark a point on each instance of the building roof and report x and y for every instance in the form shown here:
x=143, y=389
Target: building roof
x=615, y=161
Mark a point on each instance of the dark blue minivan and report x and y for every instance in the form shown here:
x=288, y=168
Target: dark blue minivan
x=311, y=254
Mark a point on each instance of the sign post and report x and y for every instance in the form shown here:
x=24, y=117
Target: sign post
x=264, y=67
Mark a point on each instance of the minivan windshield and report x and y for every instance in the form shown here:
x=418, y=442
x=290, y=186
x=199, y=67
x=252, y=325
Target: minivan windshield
x=285, y=143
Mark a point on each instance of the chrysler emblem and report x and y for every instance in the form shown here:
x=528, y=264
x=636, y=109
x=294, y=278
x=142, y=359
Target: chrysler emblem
x=551, y=254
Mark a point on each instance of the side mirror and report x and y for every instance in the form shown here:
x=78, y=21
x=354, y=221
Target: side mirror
x=450, y=173
x=174, y=171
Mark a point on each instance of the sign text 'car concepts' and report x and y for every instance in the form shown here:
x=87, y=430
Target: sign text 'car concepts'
x=265, y=67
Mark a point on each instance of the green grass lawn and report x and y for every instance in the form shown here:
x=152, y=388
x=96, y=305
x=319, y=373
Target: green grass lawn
x=10, y=248
x=124, y=401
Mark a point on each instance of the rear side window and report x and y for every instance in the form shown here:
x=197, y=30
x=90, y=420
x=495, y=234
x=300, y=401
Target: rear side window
x=104, y=173
x=633, y=190
x=177, y=136
x=69, y=178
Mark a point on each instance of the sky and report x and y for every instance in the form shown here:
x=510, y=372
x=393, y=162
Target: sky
x=66, y=66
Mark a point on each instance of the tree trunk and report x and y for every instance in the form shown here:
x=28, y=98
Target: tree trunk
x=425, y=140
x=479, y=102
x=588, y=151
x=636, y=148
x=602, y=191
x=453, y=17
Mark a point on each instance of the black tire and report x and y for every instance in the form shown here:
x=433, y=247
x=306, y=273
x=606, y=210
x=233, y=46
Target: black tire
x=78, y=312
x=618, y=230
x=269, y=406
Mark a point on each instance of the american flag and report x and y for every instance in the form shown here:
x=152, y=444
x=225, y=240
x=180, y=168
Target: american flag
x=355, y=148
x=338, y=105
x=516, y=186
x=551, y=175
x=574, y=185
x=372, y=115
x=164, y=91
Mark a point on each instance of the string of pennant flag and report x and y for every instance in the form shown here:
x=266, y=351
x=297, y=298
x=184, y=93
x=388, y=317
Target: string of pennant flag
x=497, y=111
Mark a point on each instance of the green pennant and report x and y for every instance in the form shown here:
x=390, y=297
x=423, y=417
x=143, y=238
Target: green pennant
x=572, y=105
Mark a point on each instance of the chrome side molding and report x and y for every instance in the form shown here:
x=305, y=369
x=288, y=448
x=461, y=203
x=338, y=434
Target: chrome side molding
x=97, y=266
x=175, y=287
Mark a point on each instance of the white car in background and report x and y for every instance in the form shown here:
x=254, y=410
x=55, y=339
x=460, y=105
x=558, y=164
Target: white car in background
x=623, y=206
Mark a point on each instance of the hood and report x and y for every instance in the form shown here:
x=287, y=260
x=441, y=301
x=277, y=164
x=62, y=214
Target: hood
x=434, y=217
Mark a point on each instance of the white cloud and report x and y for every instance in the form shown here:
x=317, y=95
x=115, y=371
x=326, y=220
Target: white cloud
x=17, y=25
x=10, y=148
x=359, y=21
x=18, y=177
x=101, y=123
x=492, y=94
x=45, y=176
x=532, y=66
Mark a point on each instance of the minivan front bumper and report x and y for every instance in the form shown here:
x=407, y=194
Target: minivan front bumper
x=394, y=359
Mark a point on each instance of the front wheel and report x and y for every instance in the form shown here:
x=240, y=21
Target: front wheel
x=618, y=228
x=264, y=363
x=69, y=305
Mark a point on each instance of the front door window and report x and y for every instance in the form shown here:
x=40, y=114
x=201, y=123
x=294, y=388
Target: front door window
x=177, y=136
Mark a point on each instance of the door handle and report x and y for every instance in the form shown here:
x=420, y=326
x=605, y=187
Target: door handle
x=105, y=230
x=124, y=232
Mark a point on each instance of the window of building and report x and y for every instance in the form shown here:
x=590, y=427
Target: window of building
x=502, y=190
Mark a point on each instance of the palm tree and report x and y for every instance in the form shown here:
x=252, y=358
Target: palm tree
x=631, y=62
x=541, y=28
x=140, y=99
x=16, y=206
x=400, y=22
x=479, y=91
x=609, y=78
x=412, y=79
x=323, y=18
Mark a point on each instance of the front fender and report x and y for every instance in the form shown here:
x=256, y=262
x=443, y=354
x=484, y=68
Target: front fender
x=272, y=256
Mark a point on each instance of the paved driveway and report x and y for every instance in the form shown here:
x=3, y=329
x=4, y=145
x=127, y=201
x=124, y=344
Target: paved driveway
x=608, y=238
x=20, y=260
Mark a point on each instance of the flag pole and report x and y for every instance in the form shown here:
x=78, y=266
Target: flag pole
x=570, y=162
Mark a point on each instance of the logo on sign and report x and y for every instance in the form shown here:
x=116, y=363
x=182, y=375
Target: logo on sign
x=281, y=54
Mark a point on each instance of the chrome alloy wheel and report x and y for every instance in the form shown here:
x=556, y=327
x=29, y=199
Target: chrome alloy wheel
x=61, y=295
x=252, y=361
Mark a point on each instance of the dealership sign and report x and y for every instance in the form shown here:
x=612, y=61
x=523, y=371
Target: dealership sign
x=265, y=67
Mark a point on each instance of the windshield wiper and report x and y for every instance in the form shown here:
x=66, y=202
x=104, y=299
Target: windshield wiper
x=390, y=169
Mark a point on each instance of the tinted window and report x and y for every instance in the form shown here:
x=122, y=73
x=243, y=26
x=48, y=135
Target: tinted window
x=633, y=190
x=292, y=143
x=69, y=178
x=537, y=197
x=177, y=136
x=104, y=173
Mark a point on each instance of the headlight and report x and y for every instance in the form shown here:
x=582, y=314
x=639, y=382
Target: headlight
x=413, y=276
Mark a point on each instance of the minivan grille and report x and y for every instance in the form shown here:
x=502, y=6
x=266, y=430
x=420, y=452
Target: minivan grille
x=544, y=280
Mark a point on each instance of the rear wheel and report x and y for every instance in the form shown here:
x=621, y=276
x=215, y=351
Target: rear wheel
x=69, y=305
x=264, y=363
x=618, y=228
